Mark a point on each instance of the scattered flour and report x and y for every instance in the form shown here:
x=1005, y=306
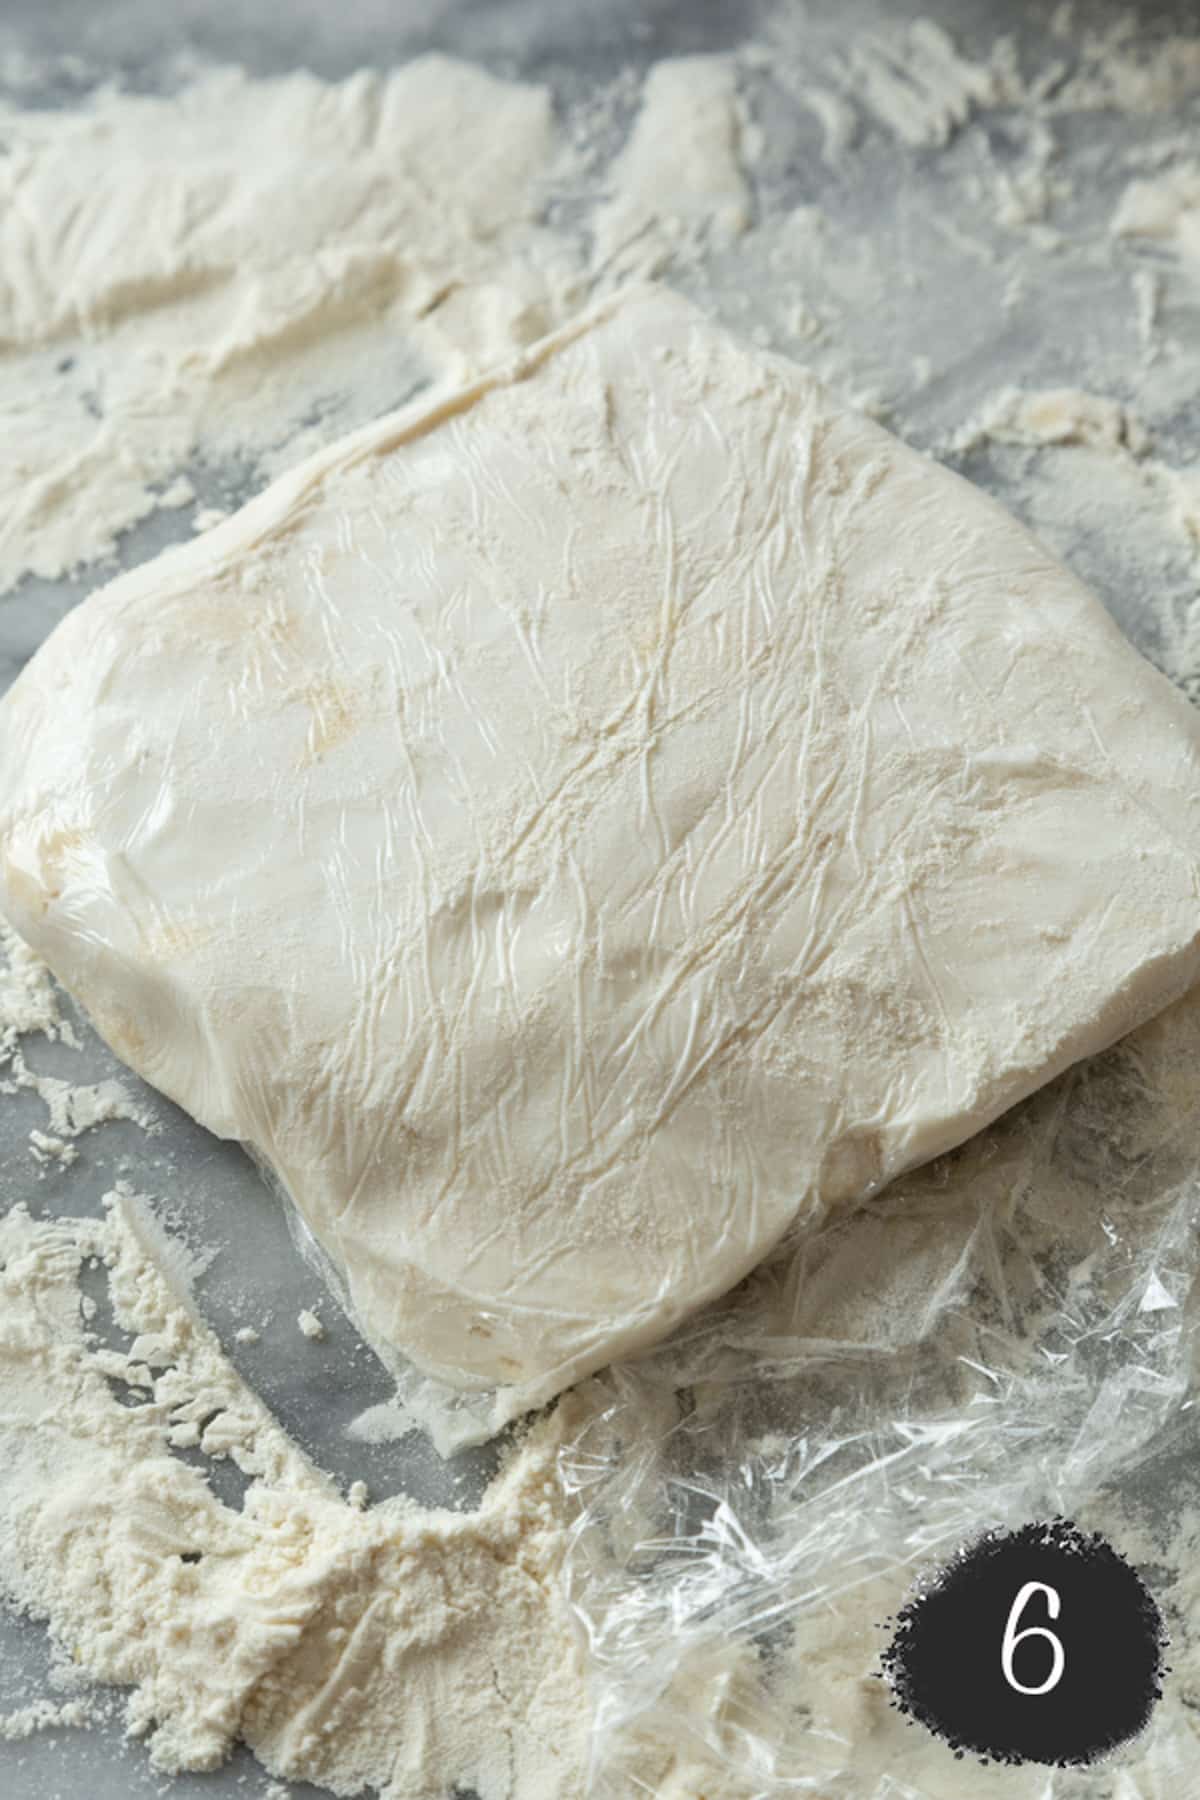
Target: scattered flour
x=76, y=1107
x=29, y=1006
x=45, y=1715
x=347, y=1647
x=161, y=290
x=1093, y=467
x=1055, y=416
x=46, y=1148
x=836, y=117
x=28, y=1002
x=1124, y=68
x=309, y=1325
x=1164, y=213
x=916, y=83
x=678, y=184
x=382, y=1423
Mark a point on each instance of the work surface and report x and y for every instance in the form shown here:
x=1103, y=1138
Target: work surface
x=940, y=274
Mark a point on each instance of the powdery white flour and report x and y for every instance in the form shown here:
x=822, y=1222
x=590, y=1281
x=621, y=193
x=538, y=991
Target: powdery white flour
x=162, y=292
x=408, y=1650
x=678, y=184
x=29, y=1001
x=29, y=1005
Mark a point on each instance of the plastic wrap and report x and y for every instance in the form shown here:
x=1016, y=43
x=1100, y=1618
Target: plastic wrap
x=1007, y=1334
x=493, y=914
x=579, y=830
x=455, y=1419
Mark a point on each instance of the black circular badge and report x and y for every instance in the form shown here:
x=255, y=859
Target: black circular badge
x=1039, y=1645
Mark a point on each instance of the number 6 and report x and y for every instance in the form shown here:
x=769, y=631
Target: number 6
x=1012, y=1637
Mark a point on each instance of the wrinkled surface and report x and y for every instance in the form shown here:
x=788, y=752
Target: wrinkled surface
x=1007, y=1334
x=575, y=832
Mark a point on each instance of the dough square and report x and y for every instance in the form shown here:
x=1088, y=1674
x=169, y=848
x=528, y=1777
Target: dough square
x=576, y=831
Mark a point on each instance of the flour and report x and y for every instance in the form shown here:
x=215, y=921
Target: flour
x=1120, y=68
x=29, y=1007
x=310, y=1326
x=28, y=1000
x=1056, y=416
x=1094, y=465
x=678, y=183
x=346, y=1646
x=47, y=1148
x=837, y=118
x=920, y=87
x=163, y=293
x=912, y=81
x=1164, y=213
x=46, y=1715
x=76, y=1107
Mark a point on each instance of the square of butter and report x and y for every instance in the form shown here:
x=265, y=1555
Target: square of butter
x=575, y=831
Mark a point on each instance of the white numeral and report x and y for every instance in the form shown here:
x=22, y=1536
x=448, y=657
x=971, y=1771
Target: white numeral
x=1012, y=1637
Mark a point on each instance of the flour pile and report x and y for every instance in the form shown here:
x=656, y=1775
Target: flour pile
x=411, y=1651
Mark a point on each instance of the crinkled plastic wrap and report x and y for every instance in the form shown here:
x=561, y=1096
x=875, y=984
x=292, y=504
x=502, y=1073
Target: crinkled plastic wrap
x=454, y=1418
x=1007, y=1334
x=580, y=830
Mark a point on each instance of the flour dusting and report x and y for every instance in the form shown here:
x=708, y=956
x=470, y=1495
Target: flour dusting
x=347, y=1646
x=678, y=184
x=29, y=1002
x=165, y=296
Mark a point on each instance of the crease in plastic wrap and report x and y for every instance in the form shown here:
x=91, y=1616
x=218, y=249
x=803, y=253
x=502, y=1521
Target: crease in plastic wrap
x=1007, y=1334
